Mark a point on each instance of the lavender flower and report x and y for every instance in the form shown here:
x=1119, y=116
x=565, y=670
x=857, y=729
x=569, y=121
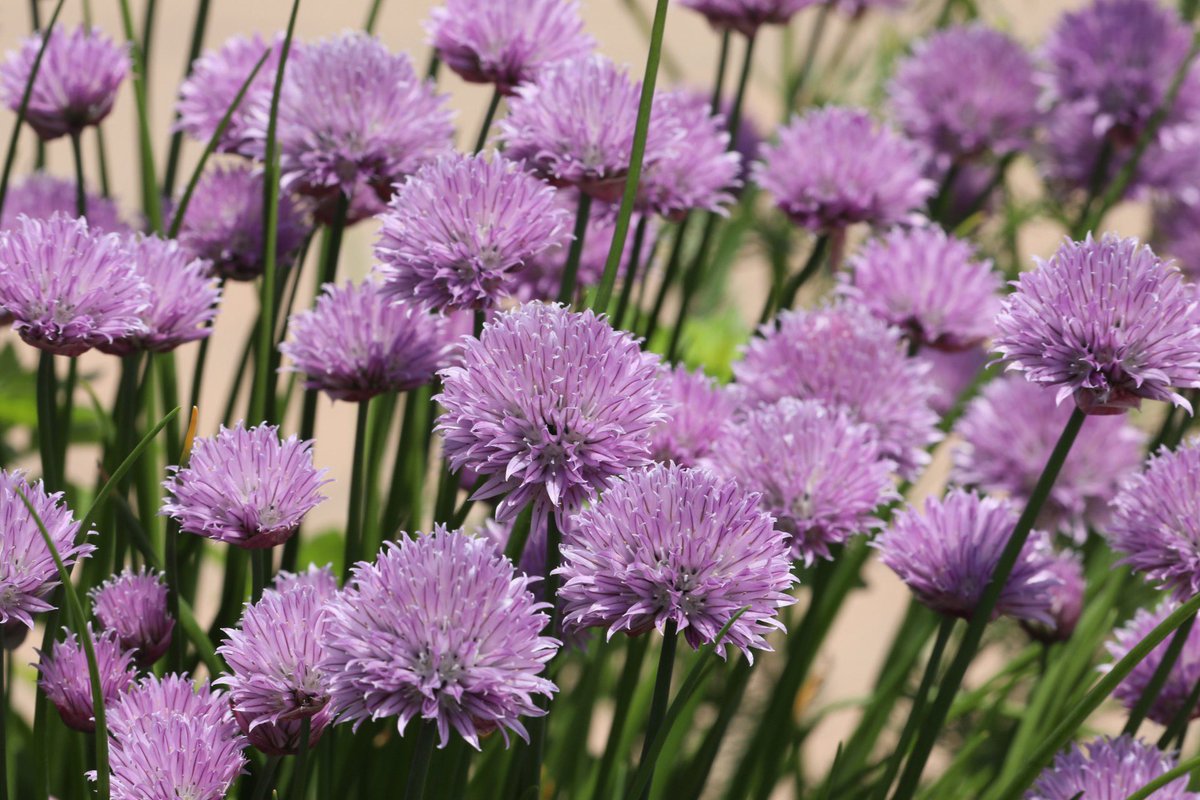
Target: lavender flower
x=746, y=16
x=183, y=298
x=965, y=92
x=1066, y=599
x=440, y=629
x=27, y=570
x=354, y=119
x=275, y=681
x=41, y=196
x=952, y=374
x=213, y=83
x=1107, y=322
x=948, y=555
x=1008, y=433
x=1181, y=679
x=76, y=83
x=69, y=289
x=319, y=579
x=575, y=127
x=1147, y=40
x=65, y=677
x=1177, y=232
x=1108, y=768
x=550, y=405
x=929, y=285
x=224, y=224
x=1155, y=520
x=507, y=44
x=845, y=357
x=697, y=409
x=834, y=167
x=133, y=605
x=245, y=487
x=457, y=233
x=703, y=174
x=818, y=472
x=356, y=344
x=670, y=545
x=532, y=561
x=169, y=739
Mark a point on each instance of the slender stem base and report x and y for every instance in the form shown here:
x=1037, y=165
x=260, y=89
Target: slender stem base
x=662, y=693
x=566, y=291
x=414, y=787
x=358, y=479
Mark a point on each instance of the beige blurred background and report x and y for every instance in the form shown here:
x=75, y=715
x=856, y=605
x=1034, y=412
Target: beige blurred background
x=849, y=663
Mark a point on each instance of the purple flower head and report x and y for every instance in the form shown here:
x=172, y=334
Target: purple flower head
x=550, y=405
x=275, y=681
x=671, y=545
x=965, y=92
x=76, y=83
x=948, y=554
x=1008, y=433
x=442, y=629
x=458, y=232
x=1156, y=520
x=817, y=472
x=929, y=285
x=1108, y=768
x=833, y=167
x=169, y=739
x=532, y=561
x=356, y=343
x=64, y=676
x=1183, y=674
x=507, y=43
x=704, y=174
x=215, y=80
x=574, y=126
x=697, y=408
x=68, y=288
x=1106, y=321
x=224, y=223
x=952, y=374
x=746, y=16
x=1177, y=232
x=355, y=119
x=41, y=196
x=183, y=298
x=27, y=570
x=541, y=276
x=1066, y=599
x=1114, y=62
x=319, y=579
x=133, y=605
x=245, y=487
x=844, y=356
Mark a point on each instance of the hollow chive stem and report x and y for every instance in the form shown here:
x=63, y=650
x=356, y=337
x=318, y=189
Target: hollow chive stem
x=662, y=694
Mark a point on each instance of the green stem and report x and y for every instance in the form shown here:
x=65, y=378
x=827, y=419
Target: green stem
x=404, y=494
x=47, y=406
x=176, y=148
x=148, y=28
x=265, y=780
x=1187, y=9
x=10, y=156
x=635, y=654
x=493, y=107
x=566, y=292
x=1178, y=725
x=414, y=787
x=373, y=16
x=638, y=153
x=718, y=92
x=80, y=185
x=918, y=706
x=631, y=271
x=788, y=292
x=1158, y=680
x=1170, y=776
x=258, y=571
x=357, y=491
x=932, y=725
x=700, y=767
x=662, y=694
x=151, y=201
x=300, y=768
x=810, y=56
x=670, y=275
